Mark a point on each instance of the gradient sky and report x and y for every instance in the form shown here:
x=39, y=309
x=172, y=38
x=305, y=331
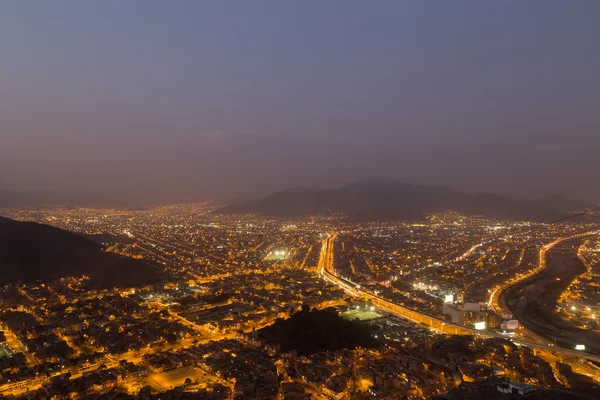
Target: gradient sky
x=159, y=100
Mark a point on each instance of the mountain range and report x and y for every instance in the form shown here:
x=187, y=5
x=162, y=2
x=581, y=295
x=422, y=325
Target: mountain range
x=561, y=203
x=31, y=252
x=367, y=199
x=380, y=199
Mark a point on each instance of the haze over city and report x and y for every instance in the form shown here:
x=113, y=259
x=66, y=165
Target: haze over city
x=159, y=102
x=271, y=200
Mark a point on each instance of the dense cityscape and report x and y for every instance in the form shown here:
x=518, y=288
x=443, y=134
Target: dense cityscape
x=299, y=200
x=434, y=296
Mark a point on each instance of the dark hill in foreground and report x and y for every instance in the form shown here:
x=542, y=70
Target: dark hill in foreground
x=314, y=331
x=32, y=252
x=386, y=199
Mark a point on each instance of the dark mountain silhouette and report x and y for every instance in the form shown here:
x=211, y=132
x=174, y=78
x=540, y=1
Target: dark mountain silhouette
x=563, y=204
x=387, y=199
x=32, y=252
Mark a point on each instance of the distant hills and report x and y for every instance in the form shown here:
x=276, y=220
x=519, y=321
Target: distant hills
x=32, y=252
x=11, y=199
x=380, y=199
x=562, y=204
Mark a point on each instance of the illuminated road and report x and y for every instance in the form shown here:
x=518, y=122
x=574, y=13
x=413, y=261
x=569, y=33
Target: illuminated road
x=326, y=269
x=494, y=301
x=498, y=301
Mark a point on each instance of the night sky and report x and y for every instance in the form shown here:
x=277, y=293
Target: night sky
x=162, y=100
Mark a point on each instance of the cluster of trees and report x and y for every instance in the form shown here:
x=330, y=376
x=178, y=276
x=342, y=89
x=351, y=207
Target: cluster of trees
x=311, y=331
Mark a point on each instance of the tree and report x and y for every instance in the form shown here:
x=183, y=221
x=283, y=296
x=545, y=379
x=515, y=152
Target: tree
x=171, y=337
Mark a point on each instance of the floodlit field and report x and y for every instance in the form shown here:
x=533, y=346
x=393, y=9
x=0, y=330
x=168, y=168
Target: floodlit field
x=5, y=351
x=362, y=315
x=277, y=255
x=171, y=379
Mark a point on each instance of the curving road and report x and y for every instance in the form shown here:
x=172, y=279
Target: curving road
x=533, y=301
x=327, y=271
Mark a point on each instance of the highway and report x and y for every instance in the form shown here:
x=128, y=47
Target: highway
x=497, y=292
x=326, y=269
x=498, y=301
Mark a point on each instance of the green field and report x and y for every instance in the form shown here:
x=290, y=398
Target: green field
x=5, y=351
x=277, y=255
x=362, y=315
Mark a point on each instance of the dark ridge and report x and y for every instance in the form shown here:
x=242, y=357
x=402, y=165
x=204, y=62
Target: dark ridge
x=31, y=252
x=561, y=203
x=387, y=199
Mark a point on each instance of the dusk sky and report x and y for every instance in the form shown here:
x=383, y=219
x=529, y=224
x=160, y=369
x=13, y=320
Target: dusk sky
x=159, y=100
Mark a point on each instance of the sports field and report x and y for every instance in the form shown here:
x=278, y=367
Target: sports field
x=362, y=315
x=170, y=379
x=5, y=351
x=277, y=255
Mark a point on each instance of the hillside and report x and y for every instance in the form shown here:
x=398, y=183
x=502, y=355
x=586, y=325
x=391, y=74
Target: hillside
x=385, y=199
x=563, y=204
x=34, y=252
